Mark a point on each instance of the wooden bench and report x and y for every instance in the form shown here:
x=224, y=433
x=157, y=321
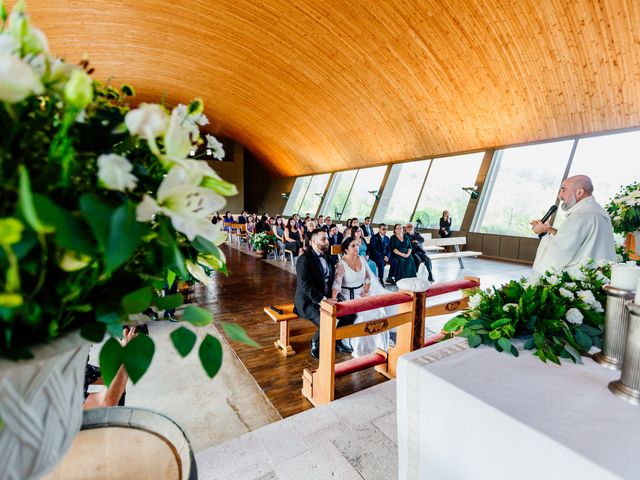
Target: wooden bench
x=447, y=242
x=336, y=250
x=318, y=385
x=285, y=318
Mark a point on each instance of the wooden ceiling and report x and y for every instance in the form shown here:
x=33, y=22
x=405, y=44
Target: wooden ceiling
x=320, y=85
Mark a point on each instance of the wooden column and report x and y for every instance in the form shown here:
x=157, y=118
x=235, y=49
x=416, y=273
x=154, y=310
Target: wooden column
x=418, y=320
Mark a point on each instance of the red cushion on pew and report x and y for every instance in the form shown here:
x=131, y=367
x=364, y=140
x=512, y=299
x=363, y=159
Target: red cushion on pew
x=447, y=287
x=369, y=303
x=357, y=364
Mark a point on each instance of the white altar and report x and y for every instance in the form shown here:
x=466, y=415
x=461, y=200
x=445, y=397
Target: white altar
x=476, y=413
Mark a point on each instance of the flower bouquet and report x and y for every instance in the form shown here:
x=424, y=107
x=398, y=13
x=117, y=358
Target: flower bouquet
x=261, y=241
x=624, y=210
x=560, y=314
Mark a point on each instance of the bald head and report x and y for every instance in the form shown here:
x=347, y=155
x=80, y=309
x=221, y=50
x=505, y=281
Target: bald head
x=574, y=189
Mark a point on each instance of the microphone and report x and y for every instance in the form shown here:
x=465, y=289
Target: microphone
x=551, y=211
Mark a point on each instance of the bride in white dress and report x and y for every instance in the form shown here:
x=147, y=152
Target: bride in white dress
x=354, y=279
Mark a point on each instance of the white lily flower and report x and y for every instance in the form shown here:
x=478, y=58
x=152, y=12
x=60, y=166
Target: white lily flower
x=17, y=79
x=597, y=306
x=8, y=44
x=177, y=139
x=566, y=293
x=186, y=204
x=587, y=297
x=198, y=272
x=553, y=279
x=216, y=147
x=475, y=300
x=149, y=120
x=574, y=316
x=114, y=173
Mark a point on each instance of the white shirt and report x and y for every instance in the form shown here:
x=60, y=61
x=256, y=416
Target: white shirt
x=586, y=233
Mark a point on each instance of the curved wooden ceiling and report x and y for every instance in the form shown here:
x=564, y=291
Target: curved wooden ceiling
x=320, y=85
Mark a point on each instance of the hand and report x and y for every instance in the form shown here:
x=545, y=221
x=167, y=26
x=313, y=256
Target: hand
x=539, y=227
x=127, y=335
x=331, y=301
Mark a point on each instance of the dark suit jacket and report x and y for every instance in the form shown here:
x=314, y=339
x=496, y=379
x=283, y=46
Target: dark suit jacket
x=416, y=237
x=379, y=247
x=337, y=241
x=367, y=230
x=310, y=284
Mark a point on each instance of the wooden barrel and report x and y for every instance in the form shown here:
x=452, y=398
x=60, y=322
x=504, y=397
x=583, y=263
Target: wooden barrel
x=124, y=442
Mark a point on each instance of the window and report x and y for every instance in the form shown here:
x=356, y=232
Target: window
x=401, y=192
x=338, y=193
x=363, y=192
x=523, y=183
x=443, y=189
x=296, y=196
x=314, y=195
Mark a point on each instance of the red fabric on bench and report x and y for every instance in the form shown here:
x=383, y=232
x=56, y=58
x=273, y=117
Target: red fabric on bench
x=357, y=364
x=369, y=303
x=448, y=287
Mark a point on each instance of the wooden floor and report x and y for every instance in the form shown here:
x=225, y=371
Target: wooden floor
x=239, y=298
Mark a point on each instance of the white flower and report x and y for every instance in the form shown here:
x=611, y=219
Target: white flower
x=114, y=173
x=78, y=91
x=148, y=120
x=198, y=272
x=186, y=204
x=574, y=316
x=586, y=296
x=602, y=278
x=566, y=293
x=177, y=139
x=553, y=279
x=17, y=79
x=474, y=314
x=475, y=300
x=597, y=306
x=510, y=306
x=215, y=146
x=576, y=273
x=8, y=44
x=570, y=285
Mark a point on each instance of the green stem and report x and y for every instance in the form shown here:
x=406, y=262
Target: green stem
x=44, y=258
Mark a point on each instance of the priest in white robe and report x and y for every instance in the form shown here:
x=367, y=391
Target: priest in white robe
x=586, y=232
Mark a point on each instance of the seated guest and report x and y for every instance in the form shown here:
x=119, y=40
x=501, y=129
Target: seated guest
x=327, y=224
x=216, y=218
x=586, y=232
x=363, y=247
x=228, y=218
x=445, y=225
x=315, y=274
x=251, y=225
x=379, y=250
x=348, y=227
x=293, y=238
x=298, y=221
x=262, y=225
x=320, y=221
x=335, y=237
x=243, y=218
x=417, y=250
x=278, y=231
x=309, y=227
x=355, y=222
x=354, y=279
x=367, y=229
x=402, y=265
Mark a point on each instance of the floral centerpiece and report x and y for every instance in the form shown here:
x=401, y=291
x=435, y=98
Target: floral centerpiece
x=261, y=241
x=624, y=210
x=560, y=314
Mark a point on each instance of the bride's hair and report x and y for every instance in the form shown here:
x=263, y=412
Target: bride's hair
x=345, y=244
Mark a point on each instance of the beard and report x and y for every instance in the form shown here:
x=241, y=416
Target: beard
x=566, y=205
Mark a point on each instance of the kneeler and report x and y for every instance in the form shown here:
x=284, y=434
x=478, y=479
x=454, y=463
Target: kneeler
x=318, y=385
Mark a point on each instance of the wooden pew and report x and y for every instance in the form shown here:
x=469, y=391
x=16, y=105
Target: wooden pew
x=447, y=242
x=318, y=385
x=284, y=319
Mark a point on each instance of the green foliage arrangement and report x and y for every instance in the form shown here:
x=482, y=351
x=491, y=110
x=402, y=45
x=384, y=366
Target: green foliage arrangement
x=624, y=209
x=560, y=314
x=260, y=241
x=101, y=207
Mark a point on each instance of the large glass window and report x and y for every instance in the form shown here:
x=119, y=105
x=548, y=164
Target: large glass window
x=401, y=192
x=296, y=196
x=363, y=192
x=611, y=161
x=523, y=183
x=443, y=189
x=315, y=191
x=338, y=193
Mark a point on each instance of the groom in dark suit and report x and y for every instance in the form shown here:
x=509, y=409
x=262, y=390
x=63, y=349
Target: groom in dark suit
x=314, y=284
x=380, y=250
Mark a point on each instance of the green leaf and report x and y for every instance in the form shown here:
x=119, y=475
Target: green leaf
x=474, y=340
x=538, y=339
x=70, y=232
x=514, y=351
x=505, y=344
x=106, y=314
x=210, y=353
x=196, y=316
x=26, y=204
x=237, y=333
x=575, y=355
x=125, y=234
x=111, y=358
x=499, y=323
x=98, y=215
x=495, y=334
x=171, y=277
x=455, y=324
x=94, y=332
x=583, y=340
x=136, y=302
x=205, y=246
x=528, y=345
x=184, y=340
x=138, y=354
x=170, y=302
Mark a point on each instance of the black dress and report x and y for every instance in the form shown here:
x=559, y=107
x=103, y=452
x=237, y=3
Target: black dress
x=405, y=267
x=445, y=227
x=296, y=244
